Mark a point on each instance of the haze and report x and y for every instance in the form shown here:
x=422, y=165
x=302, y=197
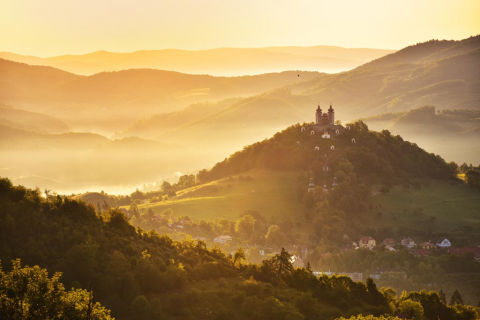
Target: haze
x=139, y=113
x=55, y=27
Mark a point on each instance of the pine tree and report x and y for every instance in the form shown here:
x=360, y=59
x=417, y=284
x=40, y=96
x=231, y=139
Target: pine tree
x=282, y=263
x=442, y=296
x=456, y=298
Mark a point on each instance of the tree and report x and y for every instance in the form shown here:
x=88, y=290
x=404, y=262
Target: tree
x=281, y=263
x=239, y=256
x=456, y=298
x=473, y=178
x=409, y=309
x=465, y=312
x=167, y=188
x=29, y=293
x=442, y=296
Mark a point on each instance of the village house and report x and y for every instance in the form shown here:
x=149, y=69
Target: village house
x=427, y=245
x=389, y=244
x=223, y=239
x=367, y=242
x=408, y=243
x=445, y=243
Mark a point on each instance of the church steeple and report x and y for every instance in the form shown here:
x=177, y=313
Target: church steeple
x=318, y=115
x=331, y=115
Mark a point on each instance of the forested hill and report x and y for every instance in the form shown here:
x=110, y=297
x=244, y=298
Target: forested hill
x=378, y=157
x=145, y=276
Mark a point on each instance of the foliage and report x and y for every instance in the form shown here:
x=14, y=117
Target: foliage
x=29, y=293
x=409, y=309
x=146, y=276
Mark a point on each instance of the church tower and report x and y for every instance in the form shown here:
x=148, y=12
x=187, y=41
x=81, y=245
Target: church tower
x=318, y=115
x=331, y=116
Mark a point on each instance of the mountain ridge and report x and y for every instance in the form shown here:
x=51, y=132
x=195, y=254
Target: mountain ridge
x=213, y=61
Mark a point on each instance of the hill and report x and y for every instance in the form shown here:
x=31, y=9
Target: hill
x=136, y=273
x=111, y=99
x=13, y=138
x=426, y=120
x=73, y=161
x=318, y=197
x=452, y=133
x=220, y=61
x=26, y=120
x=271, y=193
x=437, y=73
x=272, y=177
x=150, y=104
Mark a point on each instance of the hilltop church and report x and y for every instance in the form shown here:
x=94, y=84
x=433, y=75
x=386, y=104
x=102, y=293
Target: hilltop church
x=325, y=122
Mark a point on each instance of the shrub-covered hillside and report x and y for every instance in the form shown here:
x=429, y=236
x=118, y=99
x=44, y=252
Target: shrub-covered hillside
x=379, y=156
x=146, y=276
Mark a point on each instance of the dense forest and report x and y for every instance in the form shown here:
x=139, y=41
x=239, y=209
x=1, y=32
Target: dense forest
x=140, y=275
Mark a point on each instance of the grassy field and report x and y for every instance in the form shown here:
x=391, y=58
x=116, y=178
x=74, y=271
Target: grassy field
x=271, y=193
x=437, y=207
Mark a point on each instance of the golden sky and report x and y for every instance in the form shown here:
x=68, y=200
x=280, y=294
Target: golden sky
x=52, y=27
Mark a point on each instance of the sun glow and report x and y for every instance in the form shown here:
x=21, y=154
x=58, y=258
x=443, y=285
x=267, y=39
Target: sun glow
x=53, y=27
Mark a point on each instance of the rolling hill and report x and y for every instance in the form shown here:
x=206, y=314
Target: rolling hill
x=374, y=176
x=452, y=133
x=33, y=121
x=426, y=120
x=113, y=99
x=211, y=117
x=438, y=73
x=220, y=61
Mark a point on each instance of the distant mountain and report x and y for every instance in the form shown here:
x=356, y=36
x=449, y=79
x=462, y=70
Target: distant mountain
x=440, y=73
x=14, y=138
x=232, y=123
x=33, y=121
x=125, y=95
x=426, y=120
x=81, y=160
x=220, y=61
x=452, y=133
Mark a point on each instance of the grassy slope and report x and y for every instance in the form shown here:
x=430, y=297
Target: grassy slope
x=270, y=193
x=455, y=207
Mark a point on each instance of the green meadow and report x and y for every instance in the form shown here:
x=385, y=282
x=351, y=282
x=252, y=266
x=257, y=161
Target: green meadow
x=271, y=193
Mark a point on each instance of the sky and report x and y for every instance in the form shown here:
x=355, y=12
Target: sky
x=54, y=27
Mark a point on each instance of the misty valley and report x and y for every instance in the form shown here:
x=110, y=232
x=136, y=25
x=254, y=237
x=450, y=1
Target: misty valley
x=212, y=184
